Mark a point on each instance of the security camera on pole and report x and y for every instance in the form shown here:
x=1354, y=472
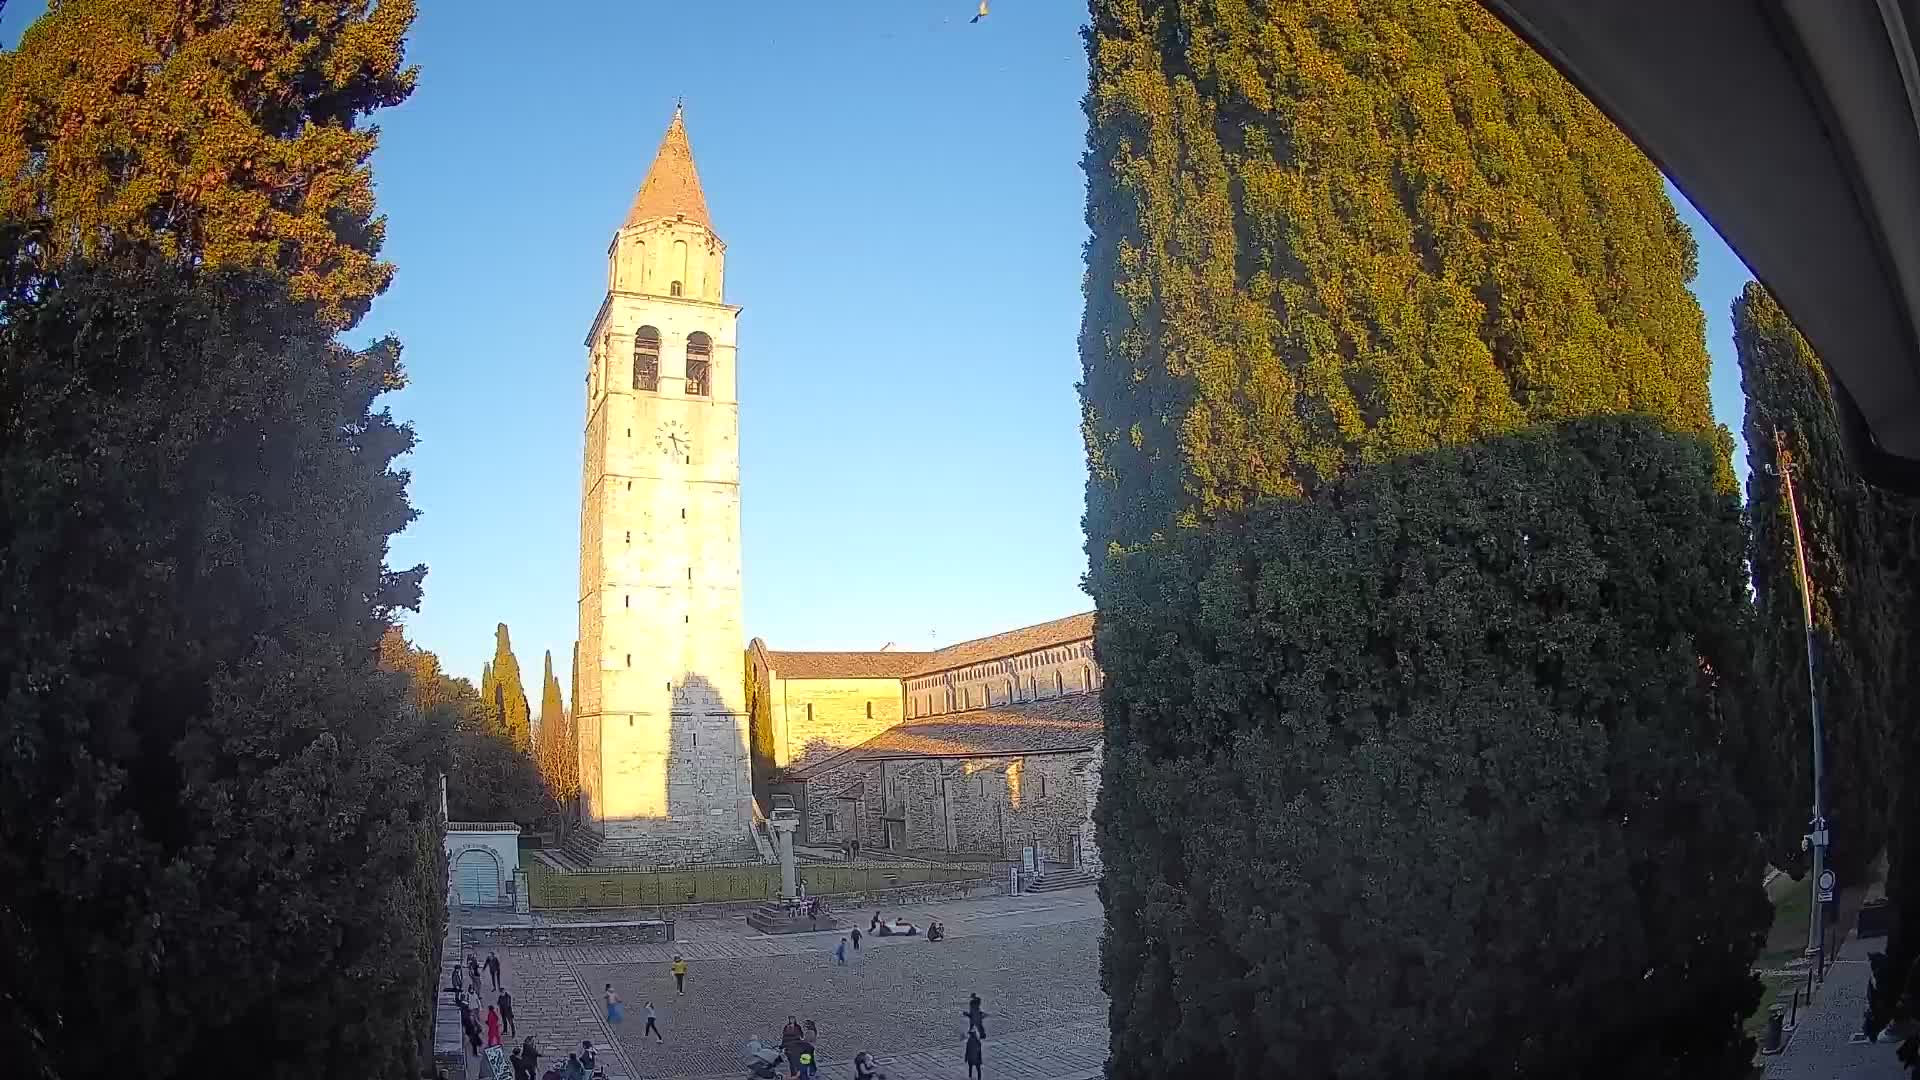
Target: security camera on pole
x=1816, y=840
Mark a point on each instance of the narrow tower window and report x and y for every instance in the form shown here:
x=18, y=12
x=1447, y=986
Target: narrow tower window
x=673, y=289
x=699, y=365
x=646, y=359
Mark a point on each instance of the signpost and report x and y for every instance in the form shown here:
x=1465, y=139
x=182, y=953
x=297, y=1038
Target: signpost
x=1826, y=887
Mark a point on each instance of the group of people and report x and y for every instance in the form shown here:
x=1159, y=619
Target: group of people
x=582, y=1064
x=481, y=1031
x=485, y=1031
x=796, y=1044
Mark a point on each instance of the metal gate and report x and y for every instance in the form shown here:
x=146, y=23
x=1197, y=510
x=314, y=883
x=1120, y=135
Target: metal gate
x=477, y=878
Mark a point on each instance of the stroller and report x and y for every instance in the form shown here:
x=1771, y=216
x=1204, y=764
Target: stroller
x=763, y=1061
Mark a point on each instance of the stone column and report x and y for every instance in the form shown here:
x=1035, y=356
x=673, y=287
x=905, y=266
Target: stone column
x=782, y=829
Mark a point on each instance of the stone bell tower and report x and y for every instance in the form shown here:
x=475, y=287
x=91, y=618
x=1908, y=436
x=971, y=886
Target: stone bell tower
x=662, y=716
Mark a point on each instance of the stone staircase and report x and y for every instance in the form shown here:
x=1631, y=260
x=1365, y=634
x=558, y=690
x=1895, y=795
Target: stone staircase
x=582, y=847
x=772, y=918
x=1055, y=878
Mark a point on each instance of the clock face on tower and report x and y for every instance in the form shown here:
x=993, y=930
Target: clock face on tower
x=674, y=440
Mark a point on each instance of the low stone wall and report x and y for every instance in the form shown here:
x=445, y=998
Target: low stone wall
x=904, y=896
x=630, y=932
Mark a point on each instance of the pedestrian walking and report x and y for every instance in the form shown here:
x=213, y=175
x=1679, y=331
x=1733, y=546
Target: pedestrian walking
x=679, y=973
x=976, y=1020
x=615, y=1011
x=804, y=1067
x=840, y=954
x=467, y=1026
x=790, y=1038
x=856, y=847
x=459, y=979
x=506, y=1011
x=874, y=926
x=493, y=1026
x=519, y=1067
x=530, y=1057
x=863, y=1067
x=576, y=1069
x=973, y=1056
x=653, y=1026
x=493, y=967
x=473, y=972
x=587, y=1057
x=856, y=939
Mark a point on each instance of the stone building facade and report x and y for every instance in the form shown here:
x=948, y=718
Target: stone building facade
x=662, y=713
x=980, y=748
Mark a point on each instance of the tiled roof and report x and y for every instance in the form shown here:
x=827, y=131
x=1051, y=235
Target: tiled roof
x=1012, y=643
x=844, y=665
x=1028, y=727
x=672, y=187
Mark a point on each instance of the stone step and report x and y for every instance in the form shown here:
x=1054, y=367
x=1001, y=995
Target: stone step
x=773, y=918
x=1055, y=880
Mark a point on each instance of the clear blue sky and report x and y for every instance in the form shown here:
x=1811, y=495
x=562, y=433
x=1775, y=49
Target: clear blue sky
x=901, y=197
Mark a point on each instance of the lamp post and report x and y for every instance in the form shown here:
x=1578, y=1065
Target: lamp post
x=1816, y=839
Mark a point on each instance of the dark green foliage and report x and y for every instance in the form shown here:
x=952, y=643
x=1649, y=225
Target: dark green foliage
x=488, y=779
x=218, y=819
x=1331, y=234
x=1365, y=785
x=1431, y=774
x=760, y=731
x=1788, y=395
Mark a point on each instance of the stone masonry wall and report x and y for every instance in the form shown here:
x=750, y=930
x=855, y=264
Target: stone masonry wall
x=993, y=805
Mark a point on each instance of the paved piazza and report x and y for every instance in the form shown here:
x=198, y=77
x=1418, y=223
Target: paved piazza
x=1034, y=960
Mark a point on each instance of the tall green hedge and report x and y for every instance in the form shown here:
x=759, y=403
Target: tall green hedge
x=1787, y=392
x=1434, y=774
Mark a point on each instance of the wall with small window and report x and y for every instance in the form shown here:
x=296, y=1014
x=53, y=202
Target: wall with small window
x=813, y=718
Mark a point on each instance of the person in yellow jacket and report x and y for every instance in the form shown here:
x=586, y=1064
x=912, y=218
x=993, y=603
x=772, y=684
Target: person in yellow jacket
x=679, y=973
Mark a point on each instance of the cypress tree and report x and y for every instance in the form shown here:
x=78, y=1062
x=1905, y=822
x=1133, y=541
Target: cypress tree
x=553, y=739
x=1360, y=271
x=1329, y=236
x=229, y=135
x=201, y=753
x=502, y=695
x=1789, y=399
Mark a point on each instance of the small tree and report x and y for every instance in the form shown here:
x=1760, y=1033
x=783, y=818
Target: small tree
x=555, y=745
x=502, y=694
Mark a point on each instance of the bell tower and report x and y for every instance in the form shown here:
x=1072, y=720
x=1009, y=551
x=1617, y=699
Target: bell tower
x=662, y=715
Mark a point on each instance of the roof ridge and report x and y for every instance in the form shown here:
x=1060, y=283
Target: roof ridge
x=1016, y=630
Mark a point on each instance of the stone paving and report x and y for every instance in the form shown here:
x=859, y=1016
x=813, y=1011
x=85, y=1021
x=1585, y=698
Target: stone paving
x=1034, y=961
x=1822, y=1046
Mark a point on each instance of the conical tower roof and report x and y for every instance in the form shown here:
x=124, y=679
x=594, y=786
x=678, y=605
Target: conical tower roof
x=672, y=187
